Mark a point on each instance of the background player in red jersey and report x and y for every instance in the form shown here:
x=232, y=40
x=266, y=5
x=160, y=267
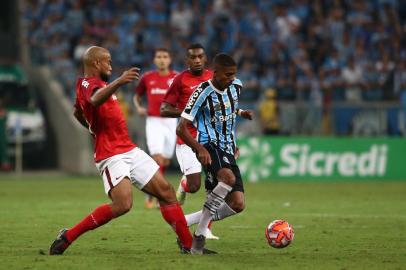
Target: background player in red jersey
x=160, y=131
x=120, y=162
x=173, y=104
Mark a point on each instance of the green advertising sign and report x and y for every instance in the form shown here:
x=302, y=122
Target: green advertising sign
x=267, y=158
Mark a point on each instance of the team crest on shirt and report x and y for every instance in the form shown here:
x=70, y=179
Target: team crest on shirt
x=217, y=107
x=85, y=84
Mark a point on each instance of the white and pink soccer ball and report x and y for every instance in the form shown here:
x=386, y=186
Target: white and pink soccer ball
x=279, y=234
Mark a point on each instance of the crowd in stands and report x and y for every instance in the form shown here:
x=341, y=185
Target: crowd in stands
x=317, y=50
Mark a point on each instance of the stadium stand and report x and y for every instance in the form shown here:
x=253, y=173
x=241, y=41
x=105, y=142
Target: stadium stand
x=335, y=65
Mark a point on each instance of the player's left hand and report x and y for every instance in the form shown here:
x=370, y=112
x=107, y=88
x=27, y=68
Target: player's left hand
x=142, y=111
x=247, y=114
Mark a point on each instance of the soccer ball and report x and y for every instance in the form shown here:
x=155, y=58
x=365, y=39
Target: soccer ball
x=279, y=234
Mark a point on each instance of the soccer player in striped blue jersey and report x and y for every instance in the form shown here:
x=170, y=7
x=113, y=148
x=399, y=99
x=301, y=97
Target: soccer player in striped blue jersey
x=213, y=108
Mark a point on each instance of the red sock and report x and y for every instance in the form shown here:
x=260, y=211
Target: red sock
x=209, y=226
x=101, y=215
x=162, y=169
x=174, y=216
x=185, y=187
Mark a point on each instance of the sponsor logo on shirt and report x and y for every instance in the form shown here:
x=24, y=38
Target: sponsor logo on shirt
x=158, y=91
x=193, y=97
x=223, y=118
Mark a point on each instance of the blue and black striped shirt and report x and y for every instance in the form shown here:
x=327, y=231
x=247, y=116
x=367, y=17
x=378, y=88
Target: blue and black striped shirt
x=214, y=113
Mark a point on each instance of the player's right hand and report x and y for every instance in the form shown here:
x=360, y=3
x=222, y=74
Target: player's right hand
x=203, y=156
x=129, y=75
x=142, y=111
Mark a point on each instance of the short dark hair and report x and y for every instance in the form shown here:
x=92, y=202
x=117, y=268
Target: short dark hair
x=224, y=60
x=195, y=46
x=162, y=49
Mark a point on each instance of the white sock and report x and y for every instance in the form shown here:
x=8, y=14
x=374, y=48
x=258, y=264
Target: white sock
x=213, y=202
x=224, y=211
x=193, y=218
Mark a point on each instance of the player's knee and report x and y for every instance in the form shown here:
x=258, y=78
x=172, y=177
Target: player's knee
x=193, y=182
x=194, y=186
x=126, y=206
x=166, y=187
x=237, y=205
x=166, y=192
x=122, y=206
x=226, y=176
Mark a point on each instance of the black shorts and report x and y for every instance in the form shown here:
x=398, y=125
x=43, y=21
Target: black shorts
x=219, y=160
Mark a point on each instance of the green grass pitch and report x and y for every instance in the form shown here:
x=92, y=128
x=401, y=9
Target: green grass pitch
x=338, y=225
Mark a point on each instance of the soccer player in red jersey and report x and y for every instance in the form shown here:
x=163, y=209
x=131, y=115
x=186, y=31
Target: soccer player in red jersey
x=120, y=162
x=160, y=131
x=173, y=104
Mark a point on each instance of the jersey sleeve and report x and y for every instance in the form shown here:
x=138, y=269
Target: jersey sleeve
x=141, y=88
x=172, y=96
x=194, y=104
x=238, y=86
x=91, y=88
x=237, y=82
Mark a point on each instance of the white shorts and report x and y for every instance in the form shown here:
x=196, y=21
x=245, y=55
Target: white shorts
x=135, y=164
x=188, y=162
x=161, y=135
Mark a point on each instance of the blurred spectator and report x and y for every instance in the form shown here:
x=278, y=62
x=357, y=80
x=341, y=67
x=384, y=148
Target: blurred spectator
x=286, y=24
x=345, y=48
x=4, y=162
x=268, y=113
x=403, y=113
x=84, y=42
x=400, y=78
x=286, y=81
x=373, y=84
x=400, y=91
x=181, y=19
x=313, y=116
x=246, y=74
x=352, y=76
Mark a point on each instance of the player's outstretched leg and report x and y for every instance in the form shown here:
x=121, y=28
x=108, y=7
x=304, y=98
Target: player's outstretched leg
x=213, y=202
x=170, y=208
x=121, y=196
x=151, y=201
x=222, y=212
